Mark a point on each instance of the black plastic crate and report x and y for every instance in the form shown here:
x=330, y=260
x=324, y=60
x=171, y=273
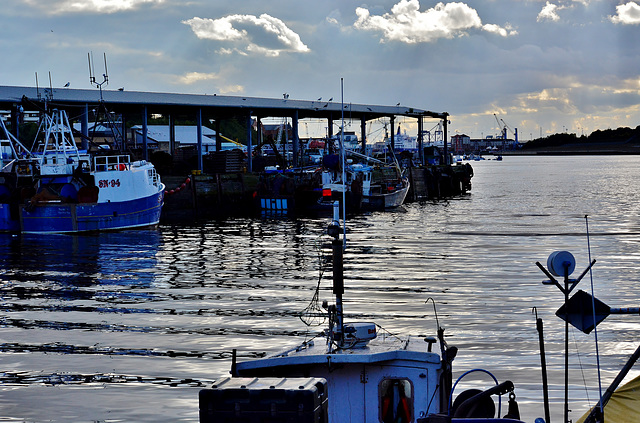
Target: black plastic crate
x=265, y=400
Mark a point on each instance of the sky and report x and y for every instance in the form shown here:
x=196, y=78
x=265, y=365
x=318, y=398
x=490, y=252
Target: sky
x=542, y=67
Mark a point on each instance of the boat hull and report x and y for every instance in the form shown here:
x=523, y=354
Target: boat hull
x=92, y=217
x=386, y=201
x=8, y=218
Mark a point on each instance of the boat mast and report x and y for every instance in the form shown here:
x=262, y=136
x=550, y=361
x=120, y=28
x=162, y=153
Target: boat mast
x=344, y=172
x=338, y=274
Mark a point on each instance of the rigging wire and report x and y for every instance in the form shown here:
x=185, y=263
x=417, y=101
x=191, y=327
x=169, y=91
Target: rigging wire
x=584, y=379
x=313, y=314
x=593, y=308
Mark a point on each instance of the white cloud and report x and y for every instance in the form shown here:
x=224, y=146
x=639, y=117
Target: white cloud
x=407, y=24
x=193, y=77
x=627, y=14
x=264, y=34
x=232, y=89
x=548, y=13
x=97, y=6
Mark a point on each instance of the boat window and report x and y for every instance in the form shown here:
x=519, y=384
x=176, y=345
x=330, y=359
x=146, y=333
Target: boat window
x=396, y=401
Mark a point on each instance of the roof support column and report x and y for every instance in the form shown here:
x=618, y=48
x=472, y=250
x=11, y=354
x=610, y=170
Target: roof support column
x=393, y=132
x=15, y=120
x=445, y=150
x=363, y=134
x=218, y=137
x=421, y=140
x=84, y=127
x=249, y=144
x=330, y=127
x=123, y=128
x=296, y=139
x=172, y=134
x=145, y=132
x=199, y=131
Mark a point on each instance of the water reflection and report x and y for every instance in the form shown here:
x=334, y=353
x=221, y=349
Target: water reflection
x=149, y=316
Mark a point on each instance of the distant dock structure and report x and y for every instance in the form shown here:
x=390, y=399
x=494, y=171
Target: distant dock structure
x=205, y=108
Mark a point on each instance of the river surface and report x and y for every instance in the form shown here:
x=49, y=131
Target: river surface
x=129, y=326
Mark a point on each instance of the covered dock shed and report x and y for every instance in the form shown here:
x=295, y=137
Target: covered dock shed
x=18, y=100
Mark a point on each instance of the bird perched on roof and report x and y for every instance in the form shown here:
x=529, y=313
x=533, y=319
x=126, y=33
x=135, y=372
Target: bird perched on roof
x=67, y=84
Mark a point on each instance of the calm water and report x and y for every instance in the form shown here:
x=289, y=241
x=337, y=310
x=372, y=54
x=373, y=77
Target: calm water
x=129, y=326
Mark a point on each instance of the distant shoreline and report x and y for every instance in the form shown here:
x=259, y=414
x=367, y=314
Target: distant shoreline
x=579, y=149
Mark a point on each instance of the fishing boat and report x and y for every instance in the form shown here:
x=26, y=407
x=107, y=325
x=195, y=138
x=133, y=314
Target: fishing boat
x=14, y=175
x=354, y=372
x=74, y=191
x=387, y=188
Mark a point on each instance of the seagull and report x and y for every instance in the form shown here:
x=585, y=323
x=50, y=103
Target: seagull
x=331, y=99
x=67, y=84
x=121, y=89
x=319, y=99
x=398, y=104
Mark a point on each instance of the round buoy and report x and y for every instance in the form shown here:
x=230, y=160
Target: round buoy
x=166, y=192
x=183, y=186
x=556, y=263
x=171, y=192
x=188, y=180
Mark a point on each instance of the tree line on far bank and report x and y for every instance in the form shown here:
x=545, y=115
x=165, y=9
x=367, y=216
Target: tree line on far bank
x=622, y=135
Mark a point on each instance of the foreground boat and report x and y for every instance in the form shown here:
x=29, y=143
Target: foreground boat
x=352, y=372
x=70, y=191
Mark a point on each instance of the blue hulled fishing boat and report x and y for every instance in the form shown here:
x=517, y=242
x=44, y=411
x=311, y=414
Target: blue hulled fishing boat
x=63, y=189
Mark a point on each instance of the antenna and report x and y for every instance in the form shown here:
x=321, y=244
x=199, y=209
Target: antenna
x=37, y=88
x=92, y=73
x=92, y=79
x=118, y=137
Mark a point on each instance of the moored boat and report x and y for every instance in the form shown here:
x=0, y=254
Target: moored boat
x=73, y=191
x=353, y=372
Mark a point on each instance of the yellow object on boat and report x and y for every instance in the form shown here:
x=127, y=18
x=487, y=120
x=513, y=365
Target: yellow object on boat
x=624, y=405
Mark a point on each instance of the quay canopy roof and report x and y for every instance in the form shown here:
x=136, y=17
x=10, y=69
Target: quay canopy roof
x=122, y=101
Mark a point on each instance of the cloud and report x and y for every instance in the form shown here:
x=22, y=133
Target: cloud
x=79, y=6
x=627, y=14
x=193, y=77
x=407, y=24
x=264, y=35
x=548, y=13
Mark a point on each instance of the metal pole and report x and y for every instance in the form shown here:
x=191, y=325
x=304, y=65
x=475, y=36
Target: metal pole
x=543, y=365
x=445, y=150
x=566, y=344
x=199, y=131
x=145, y=133
x=363, y=135
x=84, y=127
x=296, y=140
x=344, y=172
x=249, y=145
x=172, y=134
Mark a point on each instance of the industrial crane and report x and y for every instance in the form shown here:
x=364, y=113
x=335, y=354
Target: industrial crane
x=503, y=129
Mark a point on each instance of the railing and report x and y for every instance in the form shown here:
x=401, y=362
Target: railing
x=153, y=176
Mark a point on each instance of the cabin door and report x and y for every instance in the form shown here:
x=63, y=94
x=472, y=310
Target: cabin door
x=396, y=394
